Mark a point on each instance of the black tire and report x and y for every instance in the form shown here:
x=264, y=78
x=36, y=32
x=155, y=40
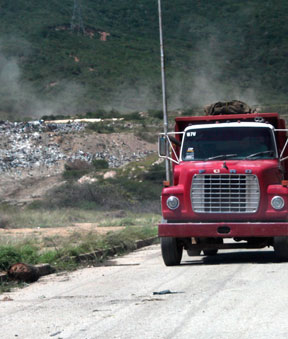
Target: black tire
x=172, y=251
x=281, y=247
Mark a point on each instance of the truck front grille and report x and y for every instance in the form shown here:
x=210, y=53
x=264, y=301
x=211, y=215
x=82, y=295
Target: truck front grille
x=225, y=193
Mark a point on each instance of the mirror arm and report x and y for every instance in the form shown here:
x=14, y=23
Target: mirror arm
x=174, y=140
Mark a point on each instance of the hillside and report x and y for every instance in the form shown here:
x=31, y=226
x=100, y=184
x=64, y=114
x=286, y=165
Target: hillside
x=216, y=50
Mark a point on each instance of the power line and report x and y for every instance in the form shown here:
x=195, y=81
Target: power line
x=77, y=20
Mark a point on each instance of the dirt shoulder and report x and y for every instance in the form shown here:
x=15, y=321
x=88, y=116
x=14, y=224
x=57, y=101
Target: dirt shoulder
x=20, y=233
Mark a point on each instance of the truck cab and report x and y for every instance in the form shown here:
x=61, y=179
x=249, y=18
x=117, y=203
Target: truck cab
x=228, y=181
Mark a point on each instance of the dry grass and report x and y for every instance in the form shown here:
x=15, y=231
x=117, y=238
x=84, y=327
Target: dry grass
x=52, y=235
x=32, y=218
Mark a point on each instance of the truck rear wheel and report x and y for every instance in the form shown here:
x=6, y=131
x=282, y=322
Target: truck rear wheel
x=172, y=251
x=281, y=247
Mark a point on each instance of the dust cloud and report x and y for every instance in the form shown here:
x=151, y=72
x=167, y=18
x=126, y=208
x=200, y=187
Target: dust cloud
x=205, y=80
x=139, y=97
x=202, y=81
x=20, y=98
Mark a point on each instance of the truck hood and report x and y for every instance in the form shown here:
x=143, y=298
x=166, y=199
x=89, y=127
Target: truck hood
x=256, y=167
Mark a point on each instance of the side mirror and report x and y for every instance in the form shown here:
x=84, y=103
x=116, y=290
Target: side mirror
x=162, y=142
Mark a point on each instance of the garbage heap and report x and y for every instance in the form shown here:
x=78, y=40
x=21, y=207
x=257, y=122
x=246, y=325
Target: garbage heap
x=32, y=145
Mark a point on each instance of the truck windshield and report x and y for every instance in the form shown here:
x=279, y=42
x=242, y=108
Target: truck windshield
x=219, y=143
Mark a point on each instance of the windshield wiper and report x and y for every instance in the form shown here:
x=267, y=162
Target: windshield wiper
x=222, y=156
x=259, y=153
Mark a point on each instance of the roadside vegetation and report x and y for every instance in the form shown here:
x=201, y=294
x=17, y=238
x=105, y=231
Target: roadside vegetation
x=127, y=205
x=62, y=252
x=59, y=250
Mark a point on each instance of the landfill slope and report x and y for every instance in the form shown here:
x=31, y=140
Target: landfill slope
x=33, y=154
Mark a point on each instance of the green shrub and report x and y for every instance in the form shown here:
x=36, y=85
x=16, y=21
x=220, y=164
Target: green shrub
x=37, y=204
x=9, y=255
x=101, y=127
x=77, y=164
x=132, y=116
x=100, y=164
x=74, y=170
x=156, y=114
x=156, y=173
x=121, y=193
x=4, y=221
x=146, y=136
x=49, y=257
x=137, y=190
x=101, y=114
x=74, y=174
x=55, y=117
x=29, y=254
x=100, y=194
x=192, y=111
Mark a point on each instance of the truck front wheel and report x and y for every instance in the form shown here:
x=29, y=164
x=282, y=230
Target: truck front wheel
x=172, y=250
x=281, y=247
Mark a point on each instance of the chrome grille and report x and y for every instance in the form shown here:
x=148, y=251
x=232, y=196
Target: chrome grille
x=225, y=193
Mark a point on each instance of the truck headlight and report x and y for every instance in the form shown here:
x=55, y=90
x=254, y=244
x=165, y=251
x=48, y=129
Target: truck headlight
x=173, y=203
x=277, y=203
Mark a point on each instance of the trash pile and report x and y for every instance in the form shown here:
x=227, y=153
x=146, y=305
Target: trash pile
x=30, y=145
x=22, y=144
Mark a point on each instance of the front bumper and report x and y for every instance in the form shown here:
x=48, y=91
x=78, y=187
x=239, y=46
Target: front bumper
x=223, y=229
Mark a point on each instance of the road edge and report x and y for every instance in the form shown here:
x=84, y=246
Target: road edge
x=46, y=269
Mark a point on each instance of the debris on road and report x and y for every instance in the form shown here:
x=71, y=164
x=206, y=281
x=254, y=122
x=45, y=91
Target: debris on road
x=28, y=273
x=7, y=299
x=54, y=334
x=23, y=272
x=164, y=292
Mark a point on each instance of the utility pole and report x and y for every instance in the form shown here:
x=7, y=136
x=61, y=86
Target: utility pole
x=76, y=20
x=165, y=115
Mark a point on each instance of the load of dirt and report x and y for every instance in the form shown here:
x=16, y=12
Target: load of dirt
x=228, y=107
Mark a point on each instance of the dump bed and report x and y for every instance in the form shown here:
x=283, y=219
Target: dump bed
x=271, y=118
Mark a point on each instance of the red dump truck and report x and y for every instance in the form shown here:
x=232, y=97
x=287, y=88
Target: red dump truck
x=229, y=180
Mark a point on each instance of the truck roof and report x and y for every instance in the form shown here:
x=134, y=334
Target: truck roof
x=231, y=124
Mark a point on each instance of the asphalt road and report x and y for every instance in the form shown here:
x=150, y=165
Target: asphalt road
x=241, y=294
